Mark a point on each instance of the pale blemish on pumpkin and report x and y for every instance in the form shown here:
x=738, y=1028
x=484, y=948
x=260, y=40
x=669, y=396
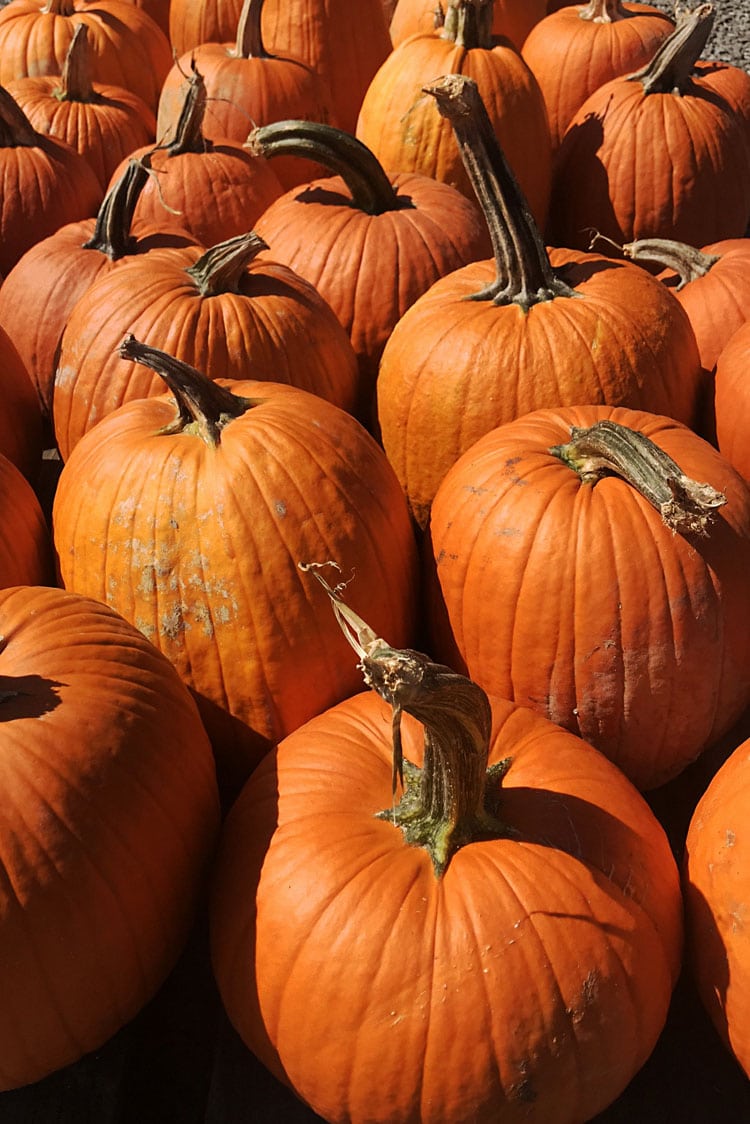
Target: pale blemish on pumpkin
x=730, y=838
x=173, y=624
x=280, y=507
x=738, y=915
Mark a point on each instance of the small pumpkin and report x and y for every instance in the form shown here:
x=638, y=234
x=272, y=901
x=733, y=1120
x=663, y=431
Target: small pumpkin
x=225, y=310
x=508, y=935
x=661, y=153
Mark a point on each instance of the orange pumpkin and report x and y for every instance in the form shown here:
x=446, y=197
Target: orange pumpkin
x=202, y=502
x=102, y=122
x=512, y=19
x=498, y=946
x=497, y=339
x=224, y=310
x=110, y=814
x=400, y=125
x=617, y=607
x=662, y=153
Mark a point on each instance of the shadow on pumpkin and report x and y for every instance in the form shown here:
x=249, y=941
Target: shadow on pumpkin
x=580, y=189
x=27, y=696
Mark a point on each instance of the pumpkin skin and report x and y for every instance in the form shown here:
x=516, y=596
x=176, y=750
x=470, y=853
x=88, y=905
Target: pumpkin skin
x=402, y=127
x=594, y=612
x=512, y=19
x=551, y=952
x=662, y=165
x=273, y=323
x=25, y=545
x=572, y=54
x=715, y=867
x=110, y=814
x=732, y=400
x=208, y=568
x=21, y=417
x=129, y=48
x=623, y=340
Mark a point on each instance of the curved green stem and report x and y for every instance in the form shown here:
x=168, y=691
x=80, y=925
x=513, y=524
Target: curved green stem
x=371, y=189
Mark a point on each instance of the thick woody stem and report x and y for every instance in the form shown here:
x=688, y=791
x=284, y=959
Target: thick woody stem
x=670, y=70
x=608, y=448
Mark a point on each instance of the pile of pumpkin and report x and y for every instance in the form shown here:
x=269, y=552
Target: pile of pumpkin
x=320, y=336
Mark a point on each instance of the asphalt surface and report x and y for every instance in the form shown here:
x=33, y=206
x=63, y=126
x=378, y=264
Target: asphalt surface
x=730, y=37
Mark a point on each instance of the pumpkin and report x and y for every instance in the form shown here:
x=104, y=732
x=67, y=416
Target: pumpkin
x=497, y=946
x=662, y=153
x=128, y=47
x=343, y=43
x=370, y=241
x=21, y=427
x=38, y=295
x=512, y=19
x=110, y=813
x=25, y=545
x=187, y=513
x=732, y=400
x=246, y=86
x=575, y=50
x=715, y=870
x=618, y=608
x=401, y=127
x=225, y=310
x=529, y=329
x=102, y=122
x=45, y=184
x=213, y=189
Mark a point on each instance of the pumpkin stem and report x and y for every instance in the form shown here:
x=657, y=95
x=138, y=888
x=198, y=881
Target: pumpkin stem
x=371, y=189
x=524, y=274
x=670, y=70
x=608, y=448
x=604, y=11
x=188, y=134
x=220, y=269
x=249, y=44
x=115, y=216
x=445, y=804
x=60, y=7
x=16, y=131
x=468, y=24
x=688, y=262
x=76, y=81
x=204, y=407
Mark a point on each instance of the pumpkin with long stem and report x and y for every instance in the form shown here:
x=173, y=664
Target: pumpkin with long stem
x=528, y=329
x=40, y=291
x=661, y=153
x=495, y=943
x=401, y=127
x=247, y=85
x=370, y=240
x=128, y=47
x=214, y=189
x=565, y=590
x=186, y=513
x=512, y=19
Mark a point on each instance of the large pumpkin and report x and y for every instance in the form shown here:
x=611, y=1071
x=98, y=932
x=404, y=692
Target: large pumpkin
x=190, y=514
x=526, y=330
x=497, y=947
x=110, y=812
x=610, y=605
x=732, y=400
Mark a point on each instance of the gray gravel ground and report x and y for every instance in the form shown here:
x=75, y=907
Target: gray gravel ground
x=730, y=38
